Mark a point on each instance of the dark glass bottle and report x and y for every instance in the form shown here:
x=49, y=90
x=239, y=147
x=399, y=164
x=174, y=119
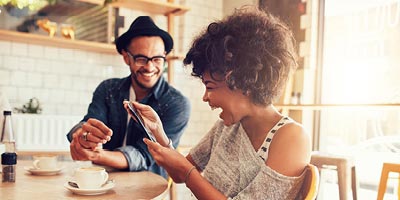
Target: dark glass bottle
x=9, y=157
x=8, y=164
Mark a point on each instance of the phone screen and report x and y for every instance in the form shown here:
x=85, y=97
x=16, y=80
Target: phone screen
x=139, y=119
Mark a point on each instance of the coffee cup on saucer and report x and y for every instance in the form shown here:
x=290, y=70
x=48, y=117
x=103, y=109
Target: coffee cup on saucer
x=90, y=177
x=43, y=162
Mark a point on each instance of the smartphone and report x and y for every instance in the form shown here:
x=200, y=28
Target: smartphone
x=139, y=119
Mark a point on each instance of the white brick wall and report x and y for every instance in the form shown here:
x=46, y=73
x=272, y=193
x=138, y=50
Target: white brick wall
x=5, y=77
x=58, y=77
x=19, y=49
x=64, y=79
x=35, y=51
x=5, y=48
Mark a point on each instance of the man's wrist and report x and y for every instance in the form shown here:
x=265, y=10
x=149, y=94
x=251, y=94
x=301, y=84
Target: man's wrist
x=75, y=130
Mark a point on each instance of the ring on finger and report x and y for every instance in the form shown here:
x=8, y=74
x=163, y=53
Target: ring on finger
x=85, y=136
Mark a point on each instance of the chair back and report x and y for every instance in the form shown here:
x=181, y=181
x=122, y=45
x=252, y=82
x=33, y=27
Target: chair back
x=309, y=189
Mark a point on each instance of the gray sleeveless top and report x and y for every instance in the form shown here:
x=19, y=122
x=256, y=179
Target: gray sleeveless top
x=230, y=163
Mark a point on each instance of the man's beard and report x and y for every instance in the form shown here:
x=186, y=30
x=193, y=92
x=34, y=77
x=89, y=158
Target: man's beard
x=139, y=83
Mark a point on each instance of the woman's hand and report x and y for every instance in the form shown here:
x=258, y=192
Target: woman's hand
x=175, y=163
x=151, y=120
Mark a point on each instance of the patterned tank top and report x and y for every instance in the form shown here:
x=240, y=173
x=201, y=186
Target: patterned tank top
x=263, y=150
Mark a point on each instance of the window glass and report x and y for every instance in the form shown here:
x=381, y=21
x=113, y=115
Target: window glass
x=361, y=65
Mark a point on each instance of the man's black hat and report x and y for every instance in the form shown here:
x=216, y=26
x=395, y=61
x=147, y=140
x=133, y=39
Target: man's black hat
x=143, y=26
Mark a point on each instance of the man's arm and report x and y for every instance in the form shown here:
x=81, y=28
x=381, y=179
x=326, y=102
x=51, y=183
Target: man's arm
x=127, y=157
x=137, y=158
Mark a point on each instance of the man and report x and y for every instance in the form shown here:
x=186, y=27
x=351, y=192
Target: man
x=144, y=48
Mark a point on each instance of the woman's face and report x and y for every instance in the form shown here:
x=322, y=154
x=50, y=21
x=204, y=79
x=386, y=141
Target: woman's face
x=233, y=103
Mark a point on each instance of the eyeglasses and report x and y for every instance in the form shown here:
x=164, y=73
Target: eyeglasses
x=143, y=60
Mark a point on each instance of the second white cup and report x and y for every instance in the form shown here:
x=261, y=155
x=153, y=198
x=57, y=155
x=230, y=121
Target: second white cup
x=45, y=162
x=90, y=177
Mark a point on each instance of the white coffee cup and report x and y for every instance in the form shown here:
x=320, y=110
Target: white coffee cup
x=45, y=162
x=90, y=177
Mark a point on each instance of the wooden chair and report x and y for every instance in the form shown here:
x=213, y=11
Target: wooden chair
x=309, y=189
x=345, y=168
x=386, y=168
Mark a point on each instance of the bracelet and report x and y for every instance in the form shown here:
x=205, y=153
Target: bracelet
x=188, y=173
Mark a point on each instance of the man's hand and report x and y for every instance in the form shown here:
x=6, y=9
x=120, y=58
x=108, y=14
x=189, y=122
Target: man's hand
x=86, y=139
x=80, y=153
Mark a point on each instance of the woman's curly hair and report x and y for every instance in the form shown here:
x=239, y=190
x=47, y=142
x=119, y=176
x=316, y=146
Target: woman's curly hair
x=252, y=48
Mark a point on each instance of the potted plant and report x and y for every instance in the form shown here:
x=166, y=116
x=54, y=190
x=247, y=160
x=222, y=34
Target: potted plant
x=32, y=107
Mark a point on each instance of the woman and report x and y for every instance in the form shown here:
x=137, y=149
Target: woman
x=253, y=152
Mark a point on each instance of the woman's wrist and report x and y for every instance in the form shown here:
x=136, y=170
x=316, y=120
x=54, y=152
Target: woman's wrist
x=170, y=144
x=188, y=173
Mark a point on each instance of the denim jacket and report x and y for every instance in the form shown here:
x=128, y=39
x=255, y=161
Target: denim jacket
x=172, y=107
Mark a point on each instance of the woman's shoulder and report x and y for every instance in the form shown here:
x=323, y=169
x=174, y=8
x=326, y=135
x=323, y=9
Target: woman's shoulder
x=292, y=128
x=291, y=146
x=293, y=133
x=293, y=139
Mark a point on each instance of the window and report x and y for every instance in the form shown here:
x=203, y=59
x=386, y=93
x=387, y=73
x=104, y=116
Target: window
x=360, y=65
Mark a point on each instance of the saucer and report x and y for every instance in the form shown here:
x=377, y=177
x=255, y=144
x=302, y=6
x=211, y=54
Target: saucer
x=43, y=172
x=98, y=191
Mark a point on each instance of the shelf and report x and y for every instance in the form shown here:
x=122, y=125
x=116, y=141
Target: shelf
x=335, y=106
x=168, y=9
x=57, y=42
x=151, y=6
x=66, y=43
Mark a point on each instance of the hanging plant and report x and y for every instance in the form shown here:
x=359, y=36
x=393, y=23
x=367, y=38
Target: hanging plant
x=109, y=1
x=35, y=4
x=30, y=4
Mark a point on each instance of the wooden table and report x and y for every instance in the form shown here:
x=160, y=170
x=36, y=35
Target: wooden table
x=128, y=185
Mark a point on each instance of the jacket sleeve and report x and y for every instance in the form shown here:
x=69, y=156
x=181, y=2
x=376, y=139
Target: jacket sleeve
x=137, y=158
